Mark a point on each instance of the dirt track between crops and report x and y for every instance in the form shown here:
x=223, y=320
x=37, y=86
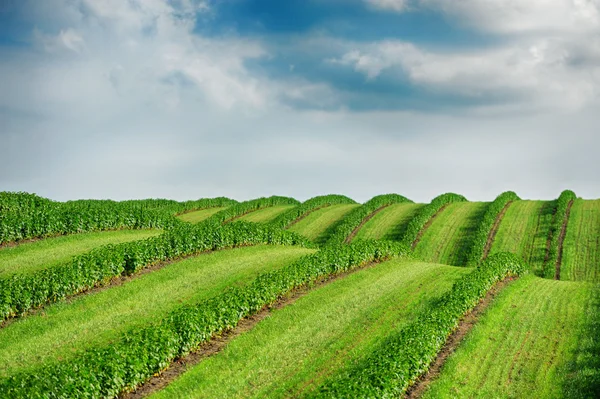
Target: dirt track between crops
x=454, y=340
x=362, y=223
x=492, y=236
x=217, y=343
x=426, y=226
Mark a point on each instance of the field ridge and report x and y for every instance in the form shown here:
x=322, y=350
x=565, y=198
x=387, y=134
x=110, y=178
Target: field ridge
x=561, y=240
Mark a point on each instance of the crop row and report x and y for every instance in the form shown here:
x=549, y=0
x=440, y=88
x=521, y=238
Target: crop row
x=24, y=216
x=242, y=208
x=354, y=219
x=423, y=216
x=20, y=293
x=480, y=240
x=140, y=353
x=560, y=217
x=397, y=363
x=284, y=220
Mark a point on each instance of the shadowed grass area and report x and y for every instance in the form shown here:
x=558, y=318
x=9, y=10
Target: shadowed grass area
x=581, y=255
x=265, y=215
x=390, y=223
x=522, y=344
x=319, y=225
x=65, y=328
x=299, y=346
x=50, y=252
x=199, y=216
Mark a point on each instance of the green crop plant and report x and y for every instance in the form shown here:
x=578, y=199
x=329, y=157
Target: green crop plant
x=284, y=220
x=493, y=211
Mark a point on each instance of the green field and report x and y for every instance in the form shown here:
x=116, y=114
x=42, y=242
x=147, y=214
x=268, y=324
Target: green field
x=199, y=216
x=389, y=224
x=65, y=328
x=524, y=231
x=50, y=252
x=530, y=341
x=318, y=225
x=581, y=255
x=265, y=215
x=297, y=347
x=447, y=240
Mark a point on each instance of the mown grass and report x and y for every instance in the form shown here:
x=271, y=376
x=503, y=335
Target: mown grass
x=448, y=239
x=296, y=348
x=389, y=224
x=524, y=231
x=50, y=252
x=318, y=225
x=525, y=345
x=581, y=255
x=199, y=216
x=66, y=328
x=265, y=215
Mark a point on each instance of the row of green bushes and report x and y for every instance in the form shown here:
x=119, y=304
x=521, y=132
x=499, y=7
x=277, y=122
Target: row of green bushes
x=285, y=219
x=21, y=292
x=242, y=208
x=426, y=213
x=24, y=216
x=356, y=216
x=560, y=217
x=492, y=212
x=391, y=368
x=140, y=353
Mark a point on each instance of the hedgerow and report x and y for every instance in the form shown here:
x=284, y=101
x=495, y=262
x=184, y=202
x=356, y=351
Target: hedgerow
x=242, y=208
x=560, y=217
x=19, y=293
x=24, y=215
x=284, y=220
x=489, y=219
x=426, y=213
x=356, y=216
x=140, y=353
x=397, y=363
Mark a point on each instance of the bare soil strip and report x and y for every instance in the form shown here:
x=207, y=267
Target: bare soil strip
x=561, y=240
x=424, y=229
x=217, y=343
x=305, y=215
x=365, y=220
x=494, y=230
x=454, y=340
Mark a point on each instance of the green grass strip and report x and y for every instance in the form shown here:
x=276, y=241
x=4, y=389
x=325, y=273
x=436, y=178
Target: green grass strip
x=563, y=203
x=354, y=219
x=200, y=215
x=266, y=215
x=581, y=254
x=480, y=239
x=105, y=372
x=284, y=220
x=426, y=213
x=390, y=223
x=403, y=357
x=317, y=226
x=242, y=208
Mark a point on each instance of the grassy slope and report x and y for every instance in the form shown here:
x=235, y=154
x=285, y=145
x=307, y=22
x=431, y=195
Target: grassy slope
x=299, y=346
x=199, y=216
x=43, y=254
x=96, y=318
x=319, y=224
x=447, y=240
x=524, y=231
x=581, y=255
x=528, y=340
x=265, y=215
x=390, y=223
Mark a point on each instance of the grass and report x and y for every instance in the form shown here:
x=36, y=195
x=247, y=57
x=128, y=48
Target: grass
x=581, y=255
x=528, y=341
x=447, y=240
x=50, y=252
x=297, y=347
x=390, y=223
x=265, y=215
x=318, y=225
x=199, y=216
x=68, y=327
x=524, y=231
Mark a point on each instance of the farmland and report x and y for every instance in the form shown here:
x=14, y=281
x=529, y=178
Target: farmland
x=315, y=299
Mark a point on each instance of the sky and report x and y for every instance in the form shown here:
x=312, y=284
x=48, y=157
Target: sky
x=186, y=99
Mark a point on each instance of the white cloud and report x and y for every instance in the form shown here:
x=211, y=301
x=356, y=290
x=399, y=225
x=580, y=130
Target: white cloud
x=395, y=5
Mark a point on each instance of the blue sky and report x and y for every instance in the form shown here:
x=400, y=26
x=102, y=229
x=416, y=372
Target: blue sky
x=190, y=98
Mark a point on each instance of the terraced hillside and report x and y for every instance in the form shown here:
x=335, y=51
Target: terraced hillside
x=319, y=225
x=448, y=239
x=390, y=223
x=581, y=255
